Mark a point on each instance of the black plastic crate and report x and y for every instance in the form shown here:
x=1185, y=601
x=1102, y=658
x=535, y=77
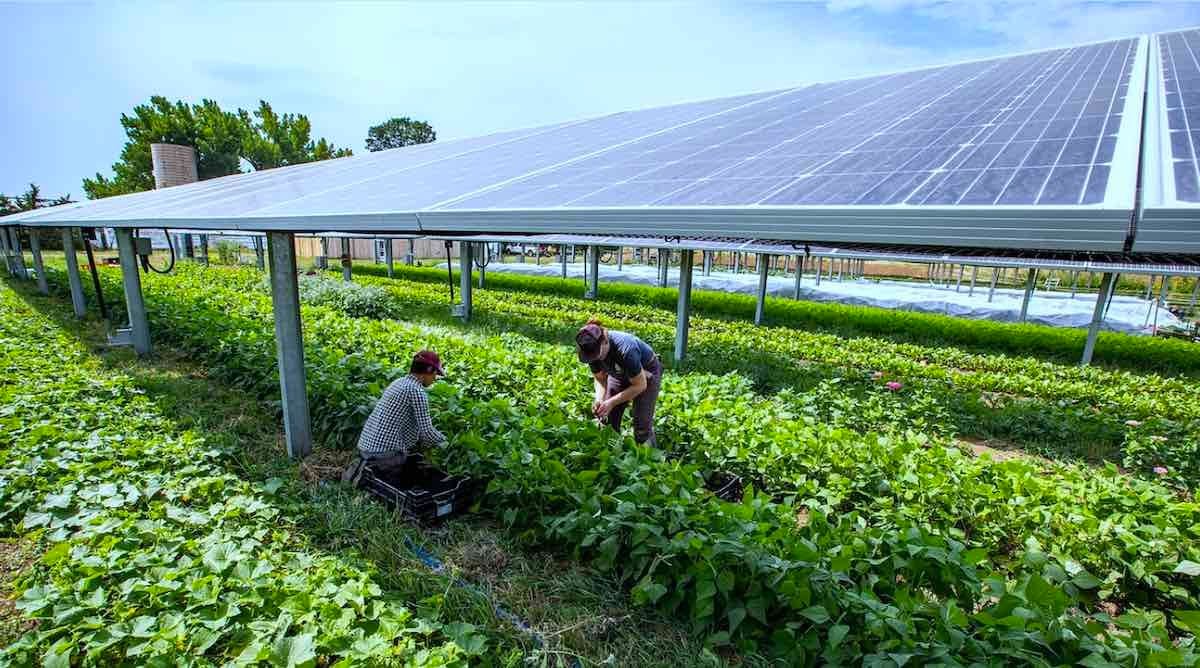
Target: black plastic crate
x=421, y=492
x=725, y=486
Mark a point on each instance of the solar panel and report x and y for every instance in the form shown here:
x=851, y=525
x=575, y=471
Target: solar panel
x=1170, y=217
x=1035, y=151
x=1035, y=129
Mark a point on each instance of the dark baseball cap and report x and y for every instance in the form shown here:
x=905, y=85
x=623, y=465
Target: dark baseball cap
x=429, y=360
x=588, y=341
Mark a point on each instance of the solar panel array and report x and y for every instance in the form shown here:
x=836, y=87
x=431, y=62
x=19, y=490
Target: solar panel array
x=1027, y=130
x=1034, y=151
x=1178, y=53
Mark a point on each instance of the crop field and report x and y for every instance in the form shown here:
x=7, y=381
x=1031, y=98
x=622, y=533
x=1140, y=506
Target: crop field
x=919, y=490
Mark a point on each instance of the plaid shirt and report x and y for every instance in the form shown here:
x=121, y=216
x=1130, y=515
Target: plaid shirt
x=400, y=421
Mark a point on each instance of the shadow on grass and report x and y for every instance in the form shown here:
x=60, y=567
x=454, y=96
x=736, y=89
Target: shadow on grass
x=578, y=613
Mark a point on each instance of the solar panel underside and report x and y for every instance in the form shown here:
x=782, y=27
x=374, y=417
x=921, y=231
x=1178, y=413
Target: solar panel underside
x=1036, y=129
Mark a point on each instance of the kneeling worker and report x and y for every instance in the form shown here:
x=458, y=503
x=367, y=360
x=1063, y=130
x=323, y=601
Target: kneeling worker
x=400, y=422
x=625, y=369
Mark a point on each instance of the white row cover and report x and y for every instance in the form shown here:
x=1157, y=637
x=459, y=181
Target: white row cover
x=1032, y=151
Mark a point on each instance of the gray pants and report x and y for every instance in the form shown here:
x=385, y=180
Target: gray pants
x=643, y=404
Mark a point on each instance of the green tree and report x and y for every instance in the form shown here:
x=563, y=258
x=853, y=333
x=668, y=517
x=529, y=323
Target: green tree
x=222, y=139
x=276, y=140
x=398, y=132
x=31, y=199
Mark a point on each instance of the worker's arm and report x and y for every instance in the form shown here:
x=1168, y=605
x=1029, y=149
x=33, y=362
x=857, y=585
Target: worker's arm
x=600, y=381
x=427, y=434
x=637, y=385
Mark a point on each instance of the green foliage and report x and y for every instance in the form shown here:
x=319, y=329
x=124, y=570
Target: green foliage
x=861, y=547
x=924, y=330
x=221, y=139
x=154, y=554
x=229, y=252
x=353, y=299
x=277, y=140
x=398, y=132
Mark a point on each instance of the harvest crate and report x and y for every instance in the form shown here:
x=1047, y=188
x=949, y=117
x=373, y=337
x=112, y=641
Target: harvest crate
x=725, y=486
x=421, y=492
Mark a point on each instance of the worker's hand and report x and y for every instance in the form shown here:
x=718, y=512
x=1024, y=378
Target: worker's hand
x=603, y=408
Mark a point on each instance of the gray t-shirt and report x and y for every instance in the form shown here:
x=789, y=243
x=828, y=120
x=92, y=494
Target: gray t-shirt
x=627, y=356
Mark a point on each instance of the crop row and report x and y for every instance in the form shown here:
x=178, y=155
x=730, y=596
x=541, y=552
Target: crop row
x=1143, y=422
x=861, y=580
x=155, y=555
x=1120, y=351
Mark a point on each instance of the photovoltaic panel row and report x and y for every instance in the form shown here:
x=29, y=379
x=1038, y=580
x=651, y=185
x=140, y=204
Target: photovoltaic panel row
x=1027, y=130
x=1179, y=55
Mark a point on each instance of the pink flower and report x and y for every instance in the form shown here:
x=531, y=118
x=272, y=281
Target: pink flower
x=1160, y=470
x=894, y=386
x=877, y=375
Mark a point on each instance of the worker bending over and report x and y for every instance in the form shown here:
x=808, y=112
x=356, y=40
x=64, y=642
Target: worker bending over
x=400, y=423
x=625, y=370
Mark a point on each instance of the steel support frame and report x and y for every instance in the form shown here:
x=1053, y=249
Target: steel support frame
x=35, y=246
x=465, y=265
x=14, y=236
x=562, y=258
x=204, y=249
x=4, y=246
x=1030, y=284
x=139, y=326
x=260, y=260
x=389, y=258
x=1102, y=297
x=761, y=303
x=664, y=260
x=289, y=343
x=73, y=279
x=683, y=309
x=593, y=278
x=347, y=262
x=799, y=277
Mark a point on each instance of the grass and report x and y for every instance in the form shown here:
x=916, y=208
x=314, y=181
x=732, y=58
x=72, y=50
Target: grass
x=580, y=615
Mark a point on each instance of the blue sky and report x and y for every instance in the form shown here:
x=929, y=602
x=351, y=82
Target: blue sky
x=69, y=71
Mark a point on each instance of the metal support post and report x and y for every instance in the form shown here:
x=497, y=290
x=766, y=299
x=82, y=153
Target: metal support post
x=562, y=256
x=204, y=249
x=389, y=258
x=259, y=254
x=799, y=276
x=974, y=275
x=820, y=268
x=664, y=259
x=684, y=309
x=8, y=258
x=73, y=279
x=132, y=280
x=35, y=245
x=1030, y=283
x=1149, y=288
x=465, y=262
x=189, y=250
x=760, y=306
x=593, y=279
x=289, y=343
x=411, y=257
x=18, y=253
x=841, y=268
x=958, y=284
x=1075, y=282
x=1195, y=295
x=992, y=289
x=708, y=262
x=737, y=262
x=1102, y=297
x=620, y=258
x=347, y=263
x=522, y=253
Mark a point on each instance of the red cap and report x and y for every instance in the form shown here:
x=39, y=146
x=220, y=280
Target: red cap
x=429, y=359
x=588, y=341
